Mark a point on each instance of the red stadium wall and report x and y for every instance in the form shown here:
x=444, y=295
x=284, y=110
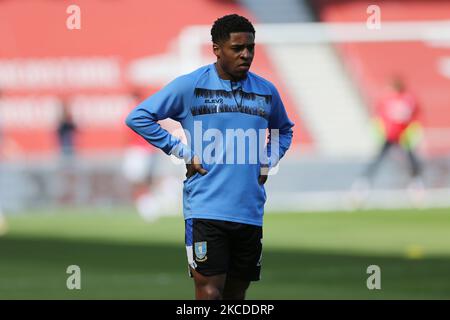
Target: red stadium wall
x=420, y=64
x=41, y=59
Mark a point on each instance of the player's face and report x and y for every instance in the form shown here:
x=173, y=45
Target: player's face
x=235, y=56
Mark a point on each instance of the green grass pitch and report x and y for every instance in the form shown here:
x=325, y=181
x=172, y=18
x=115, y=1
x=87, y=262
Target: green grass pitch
x=306, y=255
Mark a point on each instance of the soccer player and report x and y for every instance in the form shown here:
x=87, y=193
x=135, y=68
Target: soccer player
x=223, y=194
x=397, y=118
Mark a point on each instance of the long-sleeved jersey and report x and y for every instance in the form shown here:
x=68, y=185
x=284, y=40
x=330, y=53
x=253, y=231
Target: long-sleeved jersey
x=226, y=124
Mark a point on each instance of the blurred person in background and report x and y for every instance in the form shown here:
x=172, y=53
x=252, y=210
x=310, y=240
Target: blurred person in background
x=138, y=167
x=397, y=121
x=223, y=202
x=152, y=184
x=3, y=225
x=66, y=132
x=8, y=149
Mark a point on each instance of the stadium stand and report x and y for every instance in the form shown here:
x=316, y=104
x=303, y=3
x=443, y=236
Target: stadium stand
x=329, y=90
x=424, y=65
x=91, y=66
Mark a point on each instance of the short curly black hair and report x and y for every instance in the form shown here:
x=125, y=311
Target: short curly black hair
x=222, y=27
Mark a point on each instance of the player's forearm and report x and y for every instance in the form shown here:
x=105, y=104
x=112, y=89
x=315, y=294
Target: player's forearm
x=142, y=122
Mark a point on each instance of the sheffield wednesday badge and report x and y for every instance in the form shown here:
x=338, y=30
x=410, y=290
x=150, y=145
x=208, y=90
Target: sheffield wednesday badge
x=200, y=251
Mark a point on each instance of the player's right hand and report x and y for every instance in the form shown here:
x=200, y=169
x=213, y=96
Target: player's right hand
x=263, y=174
x=194, y=167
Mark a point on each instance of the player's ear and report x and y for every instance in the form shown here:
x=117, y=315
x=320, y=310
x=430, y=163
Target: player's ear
x=216, y=50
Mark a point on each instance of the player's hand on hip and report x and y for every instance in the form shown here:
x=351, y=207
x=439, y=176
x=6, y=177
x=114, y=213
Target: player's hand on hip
x=194, y=167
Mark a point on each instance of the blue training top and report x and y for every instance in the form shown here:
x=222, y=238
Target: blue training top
x=225, y=123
